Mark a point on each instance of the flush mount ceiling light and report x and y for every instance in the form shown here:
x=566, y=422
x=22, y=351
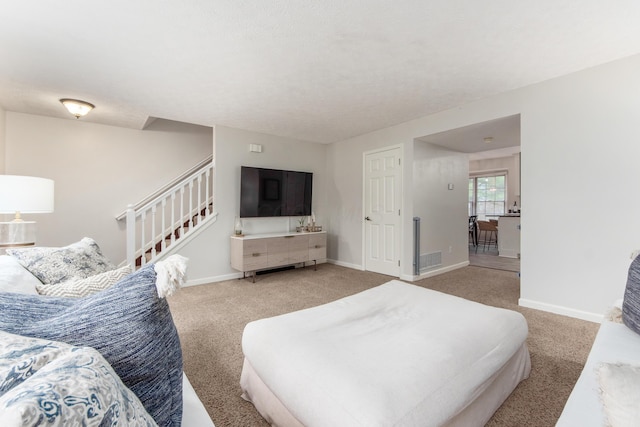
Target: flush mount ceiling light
x=76, y=107
x=488, y=140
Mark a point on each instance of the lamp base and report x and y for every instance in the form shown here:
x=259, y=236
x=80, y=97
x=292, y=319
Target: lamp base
x=15, y=234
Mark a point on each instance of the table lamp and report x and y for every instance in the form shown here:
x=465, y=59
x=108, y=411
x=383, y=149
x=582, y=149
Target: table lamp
x=18, y=195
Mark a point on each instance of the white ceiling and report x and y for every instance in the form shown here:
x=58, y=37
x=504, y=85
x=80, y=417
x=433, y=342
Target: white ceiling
x=499, y=136
x=318, y=71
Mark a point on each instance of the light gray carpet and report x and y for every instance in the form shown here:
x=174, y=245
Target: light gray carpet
x=210, y=319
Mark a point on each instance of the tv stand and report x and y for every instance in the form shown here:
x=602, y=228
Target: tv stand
x=254, y=252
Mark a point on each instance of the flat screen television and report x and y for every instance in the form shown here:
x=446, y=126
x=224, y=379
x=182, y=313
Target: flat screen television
x=274, y=192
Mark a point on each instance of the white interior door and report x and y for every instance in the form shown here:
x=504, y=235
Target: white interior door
x=382, y=191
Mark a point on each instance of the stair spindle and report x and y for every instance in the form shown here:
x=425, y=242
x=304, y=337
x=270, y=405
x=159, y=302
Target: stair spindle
x=199, y=198
x=181, y=212
x=153, y=229
x=173, y=217
x=191, y=224
x=143, y=221
x=208, y=176
x=163, y=244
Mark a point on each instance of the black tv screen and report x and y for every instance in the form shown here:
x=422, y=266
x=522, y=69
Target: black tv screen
x=274, y=192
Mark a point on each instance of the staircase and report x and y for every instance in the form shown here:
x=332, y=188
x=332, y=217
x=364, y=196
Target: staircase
x=180, y=231
x=165, y=221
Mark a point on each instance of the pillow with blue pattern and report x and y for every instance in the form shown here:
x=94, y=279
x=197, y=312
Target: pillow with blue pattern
x=55, y=384
x=631, y=301
x=78, y=260
x=128, y=323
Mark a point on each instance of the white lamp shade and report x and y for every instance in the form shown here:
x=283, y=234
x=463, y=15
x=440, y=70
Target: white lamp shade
x=25, y=194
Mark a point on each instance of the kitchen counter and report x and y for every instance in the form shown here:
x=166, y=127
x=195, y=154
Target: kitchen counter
x=509, y=236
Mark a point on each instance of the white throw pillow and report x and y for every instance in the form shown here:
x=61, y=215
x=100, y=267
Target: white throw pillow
x=76, y=288
x=15, y=278
x=620, y=393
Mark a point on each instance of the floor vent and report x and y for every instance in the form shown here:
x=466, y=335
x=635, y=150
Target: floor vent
x=430, y=260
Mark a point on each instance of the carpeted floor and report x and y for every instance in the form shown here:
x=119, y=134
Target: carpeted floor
x=490, y=259
x=210, y=319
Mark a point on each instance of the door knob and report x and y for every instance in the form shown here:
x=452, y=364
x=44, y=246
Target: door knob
x=367, y=218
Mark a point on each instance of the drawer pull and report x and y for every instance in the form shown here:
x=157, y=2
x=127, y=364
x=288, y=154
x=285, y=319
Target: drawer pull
x=289, y=237
x=255, y=254
x=318, y=246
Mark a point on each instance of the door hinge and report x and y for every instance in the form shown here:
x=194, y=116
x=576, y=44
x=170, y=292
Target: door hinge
x=398, y=263
x=398, y=212
x=398, y=161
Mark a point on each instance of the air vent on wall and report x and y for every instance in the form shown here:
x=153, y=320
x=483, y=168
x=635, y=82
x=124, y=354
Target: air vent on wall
x=430, y=260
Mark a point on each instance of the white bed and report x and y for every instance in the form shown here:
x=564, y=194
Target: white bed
x=394, y=355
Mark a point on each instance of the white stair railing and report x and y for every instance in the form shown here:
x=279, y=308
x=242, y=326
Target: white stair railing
x=171, y=216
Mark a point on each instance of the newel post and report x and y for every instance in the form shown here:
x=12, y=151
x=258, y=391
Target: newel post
x=131, y=236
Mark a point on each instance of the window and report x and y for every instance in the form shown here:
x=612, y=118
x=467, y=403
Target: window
x=487, y=195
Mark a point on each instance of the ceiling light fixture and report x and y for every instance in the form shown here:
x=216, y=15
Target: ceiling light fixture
x=488, y=140
x=76, y=107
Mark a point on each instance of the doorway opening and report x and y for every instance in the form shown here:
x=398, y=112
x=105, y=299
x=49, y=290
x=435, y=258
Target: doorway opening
x=494, y=190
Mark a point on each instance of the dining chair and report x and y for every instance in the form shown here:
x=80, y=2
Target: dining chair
x=487, y=234
x=473, y=229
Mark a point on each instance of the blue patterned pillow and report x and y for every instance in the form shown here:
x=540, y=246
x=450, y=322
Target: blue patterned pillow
x=54, y=265
x=55, y=384
x=631, y=302
x=127, y=323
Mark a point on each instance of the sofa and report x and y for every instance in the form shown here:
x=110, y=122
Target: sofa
x=607, y=392
x=111, y=357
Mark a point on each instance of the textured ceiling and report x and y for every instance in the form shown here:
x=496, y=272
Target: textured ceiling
x=492, y=135
x=318, y=71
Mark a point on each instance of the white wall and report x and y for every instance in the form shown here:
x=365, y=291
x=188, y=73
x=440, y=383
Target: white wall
x=344, y=195
x=2, y=141
x=580, y=172
x=443, y=212
x=98, y=170
x=579, y=145
x=345, y=188
x=210, y=255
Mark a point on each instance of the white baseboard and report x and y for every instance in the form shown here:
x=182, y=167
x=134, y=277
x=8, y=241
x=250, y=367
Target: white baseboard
x=213, y=279
x=345, y=264
x=408, y=277
x=564, y=311
x=434, y=272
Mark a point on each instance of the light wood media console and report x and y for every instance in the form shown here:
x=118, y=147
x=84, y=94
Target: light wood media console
x=255, y=252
